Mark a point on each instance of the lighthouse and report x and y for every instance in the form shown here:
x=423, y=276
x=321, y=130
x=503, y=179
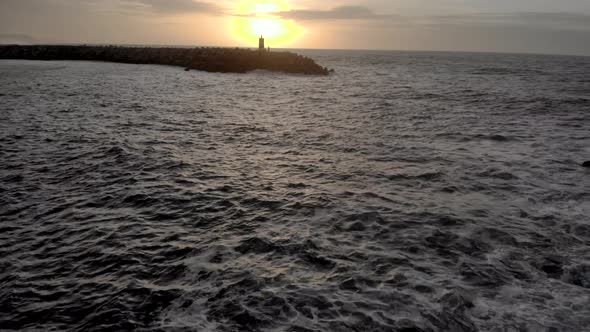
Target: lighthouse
x=261, y=44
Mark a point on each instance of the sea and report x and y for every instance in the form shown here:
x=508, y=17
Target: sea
x=407, y=191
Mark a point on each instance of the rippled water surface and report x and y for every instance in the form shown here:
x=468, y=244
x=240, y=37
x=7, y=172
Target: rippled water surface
x=406, y=192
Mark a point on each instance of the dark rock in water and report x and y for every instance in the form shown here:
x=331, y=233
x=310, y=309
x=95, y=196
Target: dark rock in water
x=498, y=138
x=449, y=221
x=318, y=261
x=187, y=303
x=586, y=164
x=406, y=325
x=582, y=230
x=246, y=319
x=490, y=234
x=423, y=289
x=457, y=300
x=256, y=245
x=483, y=275
x=14, y=178
x=224, y=60
x=350, y=285
x=551, y=265
x=580, y=276
x=357, y=227
x=366, y=217
x=454, y=315
x=299, y=329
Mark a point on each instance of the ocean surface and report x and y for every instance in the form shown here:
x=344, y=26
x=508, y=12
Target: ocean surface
x=409, y=191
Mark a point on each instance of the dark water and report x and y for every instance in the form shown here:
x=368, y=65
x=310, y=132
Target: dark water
x=407, y=192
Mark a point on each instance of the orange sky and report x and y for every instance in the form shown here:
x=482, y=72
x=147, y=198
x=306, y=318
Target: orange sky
x=539, y=26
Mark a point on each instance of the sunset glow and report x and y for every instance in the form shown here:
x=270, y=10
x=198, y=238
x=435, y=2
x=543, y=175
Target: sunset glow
x=526, y=26
x=256, y=18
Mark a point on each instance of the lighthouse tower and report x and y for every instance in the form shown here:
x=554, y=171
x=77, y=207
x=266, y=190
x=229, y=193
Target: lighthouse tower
x=261, y=44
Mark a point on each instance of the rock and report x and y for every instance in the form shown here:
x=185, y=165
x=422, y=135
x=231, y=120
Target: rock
x=357, y=227
x=586, y=164
x=318, y=261
x=457, y=300
x=406, y=325
x=256, y=245
x=225, y=60
x=551, y=265
x=582, y=230
x=350, y=285
x=580, y=276
x=424, y=289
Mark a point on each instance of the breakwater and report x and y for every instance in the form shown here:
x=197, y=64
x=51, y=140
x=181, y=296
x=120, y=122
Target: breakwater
x=225, y=60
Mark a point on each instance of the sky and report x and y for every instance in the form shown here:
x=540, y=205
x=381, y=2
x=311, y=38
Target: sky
x=529, y=26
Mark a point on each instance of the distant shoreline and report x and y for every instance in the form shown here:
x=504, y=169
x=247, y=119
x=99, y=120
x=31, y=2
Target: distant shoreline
x=223, y=60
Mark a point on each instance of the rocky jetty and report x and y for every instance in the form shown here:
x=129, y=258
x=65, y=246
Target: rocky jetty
x=224, y=60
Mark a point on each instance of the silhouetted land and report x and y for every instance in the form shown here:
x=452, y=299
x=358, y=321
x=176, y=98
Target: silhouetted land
x=226, y=60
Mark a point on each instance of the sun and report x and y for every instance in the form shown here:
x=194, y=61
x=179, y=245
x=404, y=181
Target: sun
x=255, y=18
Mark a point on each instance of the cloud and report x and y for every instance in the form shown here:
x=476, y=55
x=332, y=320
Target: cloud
x=556, y=21
x=143, y=7
x=529, y=20
x=538, y=20
x=338, y=13
x=180, y=6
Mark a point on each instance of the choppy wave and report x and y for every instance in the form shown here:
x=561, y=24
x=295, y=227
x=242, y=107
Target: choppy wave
x=406, y=192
